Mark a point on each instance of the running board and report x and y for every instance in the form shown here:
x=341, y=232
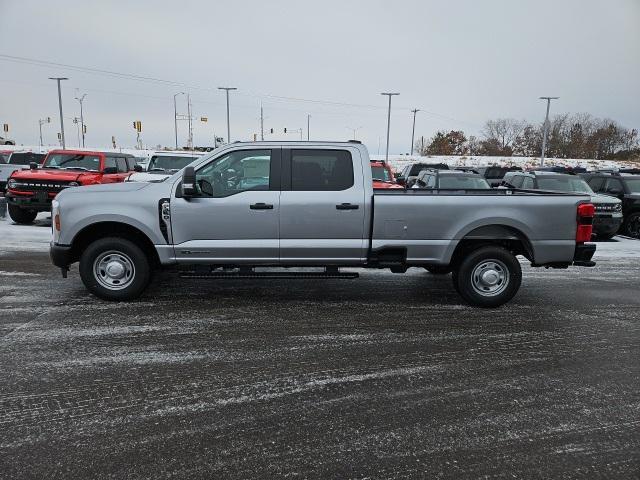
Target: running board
x=281, y=275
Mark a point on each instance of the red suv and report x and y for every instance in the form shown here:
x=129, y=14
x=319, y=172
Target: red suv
x=31, y=191
x=383, y=175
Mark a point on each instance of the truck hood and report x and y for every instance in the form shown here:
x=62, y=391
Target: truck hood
x=49, y=175
x=121, y=187
x=607, y=199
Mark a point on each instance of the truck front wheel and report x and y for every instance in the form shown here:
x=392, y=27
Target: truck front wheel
x=488, y=277
x=115, y=269
x=22, y=215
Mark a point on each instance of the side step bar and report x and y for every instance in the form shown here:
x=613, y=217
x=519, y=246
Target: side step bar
x=283, y=275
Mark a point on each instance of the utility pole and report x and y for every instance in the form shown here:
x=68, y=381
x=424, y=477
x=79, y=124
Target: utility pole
x=227, y=89
x=80, y=100
x=546, y=128
x=175, y=117
x=190, y=140
x=413, y=130
x=261, y=123
x=388, y=122
x=59, y=79
x=308, y=124
x=41, y=122
x=354, y=130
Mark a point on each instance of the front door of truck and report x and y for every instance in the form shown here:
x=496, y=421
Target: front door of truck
x=322, y=207
x=234, y=217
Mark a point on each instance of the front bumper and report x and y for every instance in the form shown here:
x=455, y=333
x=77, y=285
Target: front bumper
x=583, y=255
x=29, y=202
x=60, y=255
x=606, y=224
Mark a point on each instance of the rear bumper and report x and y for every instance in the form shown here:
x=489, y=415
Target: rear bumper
x=60, y=255
x=583, y=255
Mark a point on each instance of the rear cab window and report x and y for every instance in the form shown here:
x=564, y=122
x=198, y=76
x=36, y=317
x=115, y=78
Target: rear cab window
x=321, y=170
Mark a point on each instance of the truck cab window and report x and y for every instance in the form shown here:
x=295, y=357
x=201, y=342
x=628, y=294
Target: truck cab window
x=122, y=165
x=235, y=172
x=321, y=170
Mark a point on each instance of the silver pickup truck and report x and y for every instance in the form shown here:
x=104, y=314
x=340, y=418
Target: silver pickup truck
x=310, y=204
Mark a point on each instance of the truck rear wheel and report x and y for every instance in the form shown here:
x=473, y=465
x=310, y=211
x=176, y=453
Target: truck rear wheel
x=488, y=277
x=632, y=225
x=115, y=269
x=22, y=215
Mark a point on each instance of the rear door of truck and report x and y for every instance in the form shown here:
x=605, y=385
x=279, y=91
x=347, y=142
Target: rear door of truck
x=322, y=206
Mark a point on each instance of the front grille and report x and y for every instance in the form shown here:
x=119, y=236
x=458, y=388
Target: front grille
x=608, y=207
x=39, y=186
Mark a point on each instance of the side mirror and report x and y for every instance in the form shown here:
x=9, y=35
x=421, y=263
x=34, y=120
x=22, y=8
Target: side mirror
x=401, y=180
x=33, y=165
x=188, y=182
x=138, y=168
x=110, y=170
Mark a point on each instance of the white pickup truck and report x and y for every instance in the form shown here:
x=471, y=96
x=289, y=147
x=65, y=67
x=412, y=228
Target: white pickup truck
x=310, y=204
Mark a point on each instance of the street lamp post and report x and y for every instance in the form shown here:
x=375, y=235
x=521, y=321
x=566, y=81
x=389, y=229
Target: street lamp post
x=80, y=100
x=175, y=117
x=308, y=124
x=546, y=128
x=59, y=79
x=388, y=122
x=227, y=89
x=413, y=130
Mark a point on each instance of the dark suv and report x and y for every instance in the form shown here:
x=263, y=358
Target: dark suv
x=450, y=180
x=626, y=188
x=608, y=214
x=494, y=175
x=409, y=173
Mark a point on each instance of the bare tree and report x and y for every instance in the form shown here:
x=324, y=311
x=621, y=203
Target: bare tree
x=503, y=132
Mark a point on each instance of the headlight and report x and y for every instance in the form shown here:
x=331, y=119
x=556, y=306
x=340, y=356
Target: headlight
x=12, y=183
x=74, y=184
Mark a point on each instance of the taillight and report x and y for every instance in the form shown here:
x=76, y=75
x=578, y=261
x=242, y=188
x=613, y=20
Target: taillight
x=56, y=222
x=585, y=222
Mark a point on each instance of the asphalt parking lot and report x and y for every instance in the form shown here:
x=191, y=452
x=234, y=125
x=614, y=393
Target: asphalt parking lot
x=388, y=376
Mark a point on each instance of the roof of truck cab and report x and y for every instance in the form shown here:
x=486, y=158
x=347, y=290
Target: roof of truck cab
x=90, y=152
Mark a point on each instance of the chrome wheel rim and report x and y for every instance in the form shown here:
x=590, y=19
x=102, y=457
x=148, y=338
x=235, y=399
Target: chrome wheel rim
x=114, y=270
x=490, y=278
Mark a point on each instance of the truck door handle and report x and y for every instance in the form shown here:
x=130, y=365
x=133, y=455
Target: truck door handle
x=261, y=206
x=347, y=206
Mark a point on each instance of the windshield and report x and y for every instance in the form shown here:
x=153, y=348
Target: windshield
x=73, y=161
x=463, y=182
x=564, y=184
x=633, y=184
x=380, y=173
x=167, y=162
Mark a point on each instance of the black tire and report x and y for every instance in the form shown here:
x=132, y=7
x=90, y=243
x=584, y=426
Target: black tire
x=499, y=265
x=632, y=225
x=605, y=236
x=438, y=269
x=22, y=215
x=124, y=256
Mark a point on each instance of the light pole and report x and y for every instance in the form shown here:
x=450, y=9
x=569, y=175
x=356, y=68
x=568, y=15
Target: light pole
x=41, y=122
x=354, y=130
x=81, y=99
x=308, y=124
x=175, y=117
x=227, y=89
x=546, y=128
x=413, y=130
x=59, y=79
x=388, y=122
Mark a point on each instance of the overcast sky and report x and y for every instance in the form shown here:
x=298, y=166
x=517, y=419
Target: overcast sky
x=460, y=62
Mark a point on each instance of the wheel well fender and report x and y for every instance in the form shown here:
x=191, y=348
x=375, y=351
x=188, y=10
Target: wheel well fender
x=503, y=235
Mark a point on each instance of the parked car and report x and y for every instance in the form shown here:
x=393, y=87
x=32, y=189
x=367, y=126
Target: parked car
x=562, y=169
x=494, y=175
x=624, y=187
x=410, y=172
x=383, y=175
x=16, y=161
x=608, y=210
x=170, y=162
x=7, y=141
x=319, y=209
x=450, y=180
x=31, y=191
